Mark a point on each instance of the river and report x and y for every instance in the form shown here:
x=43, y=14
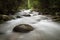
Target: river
x=44, y=29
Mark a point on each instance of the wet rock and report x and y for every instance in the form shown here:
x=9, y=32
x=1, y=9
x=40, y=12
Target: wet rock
x=26, y=15
x=23, y=28
x=18, y=16
x=56, y=18
x=6, y=18
x=1, y=33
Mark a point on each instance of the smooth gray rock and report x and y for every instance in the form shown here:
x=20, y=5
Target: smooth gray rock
x=23, y=28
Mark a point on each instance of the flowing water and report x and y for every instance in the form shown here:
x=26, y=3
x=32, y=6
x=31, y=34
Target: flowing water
x=45, y=29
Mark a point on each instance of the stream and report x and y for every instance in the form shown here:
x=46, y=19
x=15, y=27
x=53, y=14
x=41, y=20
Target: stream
x=44, y=29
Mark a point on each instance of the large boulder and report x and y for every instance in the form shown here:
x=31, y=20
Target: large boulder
x=23, y=28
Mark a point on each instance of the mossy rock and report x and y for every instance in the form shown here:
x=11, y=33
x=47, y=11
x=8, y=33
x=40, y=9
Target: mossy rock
x=56, y=18
x=4, y=18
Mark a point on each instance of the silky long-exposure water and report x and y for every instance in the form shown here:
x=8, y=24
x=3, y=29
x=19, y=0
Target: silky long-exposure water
x=45, y=29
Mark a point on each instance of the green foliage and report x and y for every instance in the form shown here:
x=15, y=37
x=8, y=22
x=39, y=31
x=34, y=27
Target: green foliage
x=9, y=6
x=24, y=4
x=50, y=6
x=33, y=4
